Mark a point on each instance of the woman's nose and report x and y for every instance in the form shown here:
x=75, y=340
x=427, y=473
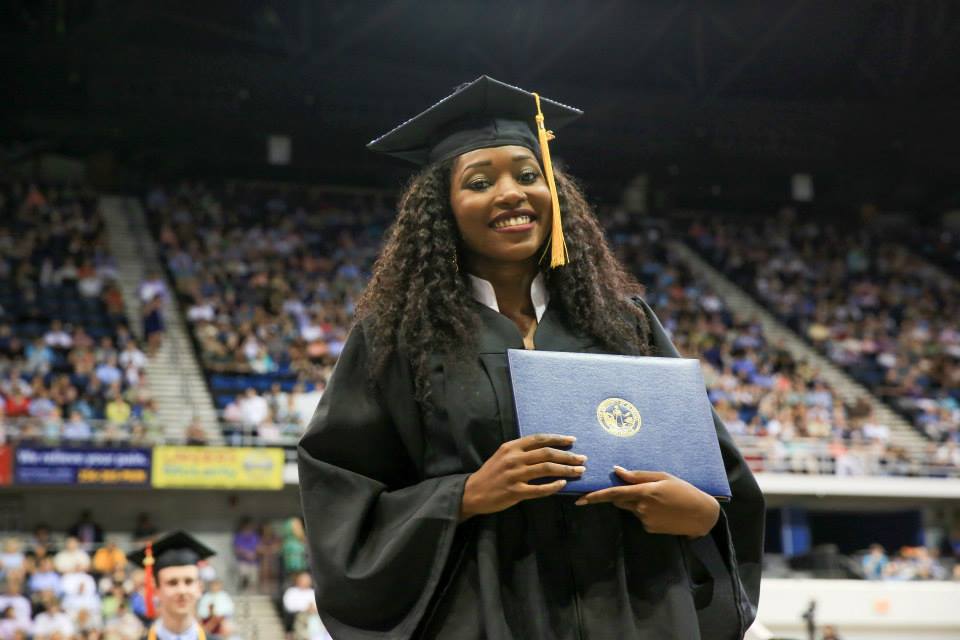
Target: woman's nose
x=511, y=195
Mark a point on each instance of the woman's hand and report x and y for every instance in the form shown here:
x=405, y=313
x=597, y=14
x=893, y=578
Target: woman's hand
x=662, y=502
x=504, y=478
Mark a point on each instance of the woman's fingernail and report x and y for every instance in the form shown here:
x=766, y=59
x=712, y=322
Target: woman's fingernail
x=583, y=458
x=579, y=469
x=580, y=502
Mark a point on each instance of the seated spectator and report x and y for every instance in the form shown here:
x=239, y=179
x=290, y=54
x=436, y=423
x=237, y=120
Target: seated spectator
x=132, y=356
x=83, y=604
x=12, y=560
x=77, y=430
x=52, y=621
x=12, y=598
x=78, y=583
x=254, y=409
x=113, y=597
x=12, y=628
x=44, y=578
x=215, y=610
x=195, y=434
x=124, y=625
x=72, y=558
x=109, y=558
x=875, y=563
x=118, y=410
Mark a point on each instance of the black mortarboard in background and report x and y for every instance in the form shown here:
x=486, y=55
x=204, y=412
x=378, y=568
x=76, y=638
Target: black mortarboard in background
x=478, y=115
x=176, y=549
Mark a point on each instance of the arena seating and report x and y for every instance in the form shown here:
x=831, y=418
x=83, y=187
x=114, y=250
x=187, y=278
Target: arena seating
x=872, y=306
x=268, y=279
x=70, y=368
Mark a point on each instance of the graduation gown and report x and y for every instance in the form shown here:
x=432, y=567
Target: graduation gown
x=381, y=485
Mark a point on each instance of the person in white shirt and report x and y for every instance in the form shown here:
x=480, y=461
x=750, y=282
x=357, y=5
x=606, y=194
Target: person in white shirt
x=299, y=596
x=254, y=408
x=12, y=598
x=80, y=594
x=125, y=625
x=131, y=355
x=52, y=621
x=71, y=558
x=56, y=337
x=216, y=610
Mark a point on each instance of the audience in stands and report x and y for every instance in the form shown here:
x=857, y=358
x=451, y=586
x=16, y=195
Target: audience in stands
x=874, y=308
x=82, y=601
x=910, y=563
x=268, y=281
x=70, y=370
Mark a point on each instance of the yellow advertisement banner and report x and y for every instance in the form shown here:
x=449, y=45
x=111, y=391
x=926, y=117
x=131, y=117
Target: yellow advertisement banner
x=217, y=468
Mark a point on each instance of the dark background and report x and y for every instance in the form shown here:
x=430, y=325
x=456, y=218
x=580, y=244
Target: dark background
x=717, y=102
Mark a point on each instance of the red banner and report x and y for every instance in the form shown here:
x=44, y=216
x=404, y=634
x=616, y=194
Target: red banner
x=6, y=465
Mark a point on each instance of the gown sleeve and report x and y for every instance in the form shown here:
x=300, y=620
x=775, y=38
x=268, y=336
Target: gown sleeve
x=379, y=534
x=732, y=553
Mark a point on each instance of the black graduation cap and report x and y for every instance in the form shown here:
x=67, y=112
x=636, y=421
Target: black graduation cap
x=176, y=549
x=478, y=115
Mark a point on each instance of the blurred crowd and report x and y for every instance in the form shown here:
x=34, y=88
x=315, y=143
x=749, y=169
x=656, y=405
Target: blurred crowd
x=273, y=560
x=875, y=308
x=73, y=585
x=70, y=368
x=908, y=563
x=77, y=584
x=782, y=412
x=269, y=279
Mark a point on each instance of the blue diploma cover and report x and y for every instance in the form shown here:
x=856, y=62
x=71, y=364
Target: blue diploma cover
x=641, y=413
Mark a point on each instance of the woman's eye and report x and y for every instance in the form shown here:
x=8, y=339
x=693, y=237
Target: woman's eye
x=479, y=184
x=528, y=177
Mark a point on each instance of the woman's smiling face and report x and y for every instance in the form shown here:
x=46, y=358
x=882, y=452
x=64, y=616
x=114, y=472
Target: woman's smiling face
x=501, y=204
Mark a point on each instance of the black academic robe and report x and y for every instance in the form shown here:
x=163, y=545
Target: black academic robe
x=381, y=485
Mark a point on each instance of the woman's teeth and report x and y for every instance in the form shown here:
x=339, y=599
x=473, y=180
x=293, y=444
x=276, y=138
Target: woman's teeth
x=512, y=222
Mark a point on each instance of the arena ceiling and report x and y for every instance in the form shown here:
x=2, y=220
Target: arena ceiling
x=856, y=91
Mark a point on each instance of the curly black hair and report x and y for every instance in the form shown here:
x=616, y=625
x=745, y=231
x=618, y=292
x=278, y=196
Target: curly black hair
x=414, y=302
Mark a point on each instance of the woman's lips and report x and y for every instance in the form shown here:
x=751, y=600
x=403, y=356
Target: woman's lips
x=513, y=223
x=516, y=228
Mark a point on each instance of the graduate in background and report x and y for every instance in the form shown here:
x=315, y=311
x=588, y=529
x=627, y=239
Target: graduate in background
x=171, y=562
x=423, y=512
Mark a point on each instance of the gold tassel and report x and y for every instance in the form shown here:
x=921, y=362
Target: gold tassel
x=558, y=246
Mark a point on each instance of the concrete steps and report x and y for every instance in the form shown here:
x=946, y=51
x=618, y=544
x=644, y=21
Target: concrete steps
x=256, y=618
x=174, y=376
x=738, y=301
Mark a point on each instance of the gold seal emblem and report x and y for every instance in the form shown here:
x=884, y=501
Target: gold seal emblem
x=618, y=417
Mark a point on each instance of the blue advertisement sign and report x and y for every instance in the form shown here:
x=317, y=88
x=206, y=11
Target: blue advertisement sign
x=85, y=466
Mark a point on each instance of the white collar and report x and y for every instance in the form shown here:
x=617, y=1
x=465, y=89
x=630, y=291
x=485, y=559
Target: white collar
x=163, y=634
x=484, y=294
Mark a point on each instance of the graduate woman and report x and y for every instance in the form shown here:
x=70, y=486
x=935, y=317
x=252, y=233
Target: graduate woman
x=423, y=511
